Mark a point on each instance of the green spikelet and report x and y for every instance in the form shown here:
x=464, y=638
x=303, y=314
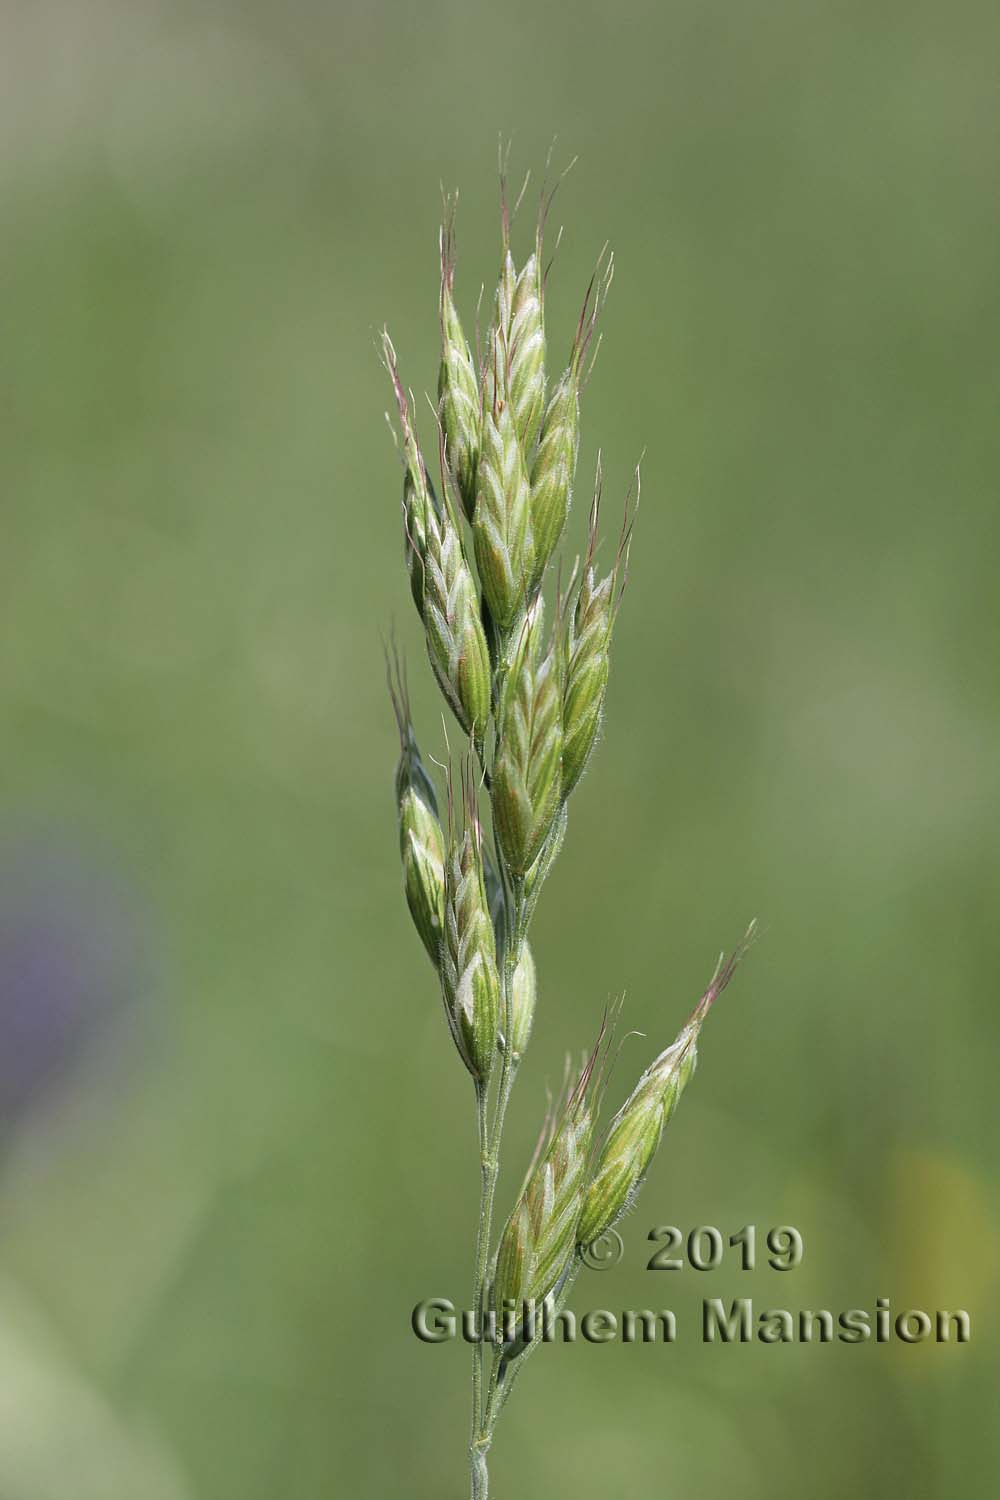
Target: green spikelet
x=632, y=1139
x=585, y=651
x=501, y=528
x=494, y=898
x=537, y=872
x=634, y=1134
x=506, y=287
x=458, y=390
x=586, y=676
x=554, y=466
x=524, y=988
x=418, y=492
x=523, y=995
x=470, y=983
x=455, y=640
x=527, y=353
x=421, y=841
x=540, y=1237
x=535, y=877
x=496, y=361
x=527, y=777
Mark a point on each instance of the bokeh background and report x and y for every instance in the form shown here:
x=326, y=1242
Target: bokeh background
x=236, y=1144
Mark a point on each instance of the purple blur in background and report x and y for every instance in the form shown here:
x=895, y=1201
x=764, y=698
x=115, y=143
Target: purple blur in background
x=74, y=963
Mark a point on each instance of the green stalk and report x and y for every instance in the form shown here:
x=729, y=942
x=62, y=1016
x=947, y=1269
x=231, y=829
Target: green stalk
x=497, y=1395
x=482, y=1257
x=490, y=1139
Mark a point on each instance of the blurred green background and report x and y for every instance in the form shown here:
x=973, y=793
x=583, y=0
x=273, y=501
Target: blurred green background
x=237, y=1146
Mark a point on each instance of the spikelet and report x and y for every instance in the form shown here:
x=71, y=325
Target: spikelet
x=554, y=465
x=495, y=899
x=496, y=363
x=456, y=643
x=527, y=351
x=634, y=1133
x=470, y=983
x=585, y=647
x=527, y=776
x=540, y=1237
x=524, y=992
x=458, y=390
x=523, y=293
x=419, y=498
x=535, y=877
x=524, y=988
x=501, y=528
x=421, y=841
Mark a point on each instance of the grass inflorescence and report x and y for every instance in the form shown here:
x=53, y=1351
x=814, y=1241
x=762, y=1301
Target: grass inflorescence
x=528, y=694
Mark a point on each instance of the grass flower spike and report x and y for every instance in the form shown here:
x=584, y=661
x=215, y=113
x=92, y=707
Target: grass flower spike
x=530, y=705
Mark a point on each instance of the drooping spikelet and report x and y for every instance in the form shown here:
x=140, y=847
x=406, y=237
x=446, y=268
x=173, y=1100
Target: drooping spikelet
x=634, y=1133
x=527, y=776
x=421, y=841
x=419, y=498
x=554, y=466
x=470, y=983
x=586, y=641
x=458, y=390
